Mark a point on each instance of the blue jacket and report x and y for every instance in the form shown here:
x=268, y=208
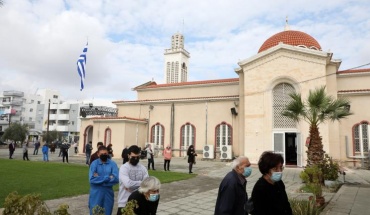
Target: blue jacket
x=232, y=196
x=102, y=176
x=45, y=149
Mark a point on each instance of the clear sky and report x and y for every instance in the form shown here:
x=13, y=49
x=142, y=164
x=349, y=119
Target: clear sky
x=41, y=40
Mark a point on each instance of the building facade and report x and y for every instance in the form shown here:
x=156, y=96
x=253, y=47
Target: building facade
x=242, y=116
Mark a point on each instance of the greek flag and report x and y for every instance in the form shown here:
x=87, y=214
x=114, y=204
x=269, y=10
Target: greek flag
x=81, y=66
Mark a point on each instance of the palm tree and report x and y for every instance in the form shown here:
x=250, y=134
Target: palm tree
x=318, y=108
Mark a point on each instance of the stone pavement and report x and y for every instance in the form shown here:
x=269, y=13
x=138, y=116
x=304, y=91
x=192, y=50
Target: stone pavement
x=198, y=195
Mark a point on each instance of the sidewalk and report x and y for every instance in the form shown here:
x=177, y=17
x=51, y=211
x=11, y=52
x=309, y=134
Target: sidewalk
x=198, y=195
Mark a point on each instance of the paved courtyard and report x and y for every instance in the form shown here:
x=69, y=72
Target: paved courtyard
x=198, y=195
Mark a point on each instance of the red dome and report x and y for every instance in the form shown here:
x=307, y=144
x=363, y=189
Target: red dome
x=294, y=38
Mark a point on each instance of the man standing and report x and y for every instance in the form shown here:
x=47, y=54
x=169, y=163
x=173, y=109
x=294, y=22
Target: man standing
x=103, y=175
x=64, y=149
x=232, y=195
x=45, y=152
x=11, y=150
x=95, y=155
x=88, y=150
x=37, y=146
x=131, y=174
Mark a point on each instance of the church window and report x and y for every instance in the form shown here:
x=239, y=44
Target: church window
x=187, y=135
x=223, y=134
x=177, y=72
x=361, y=137
x=281, y=98
x=107, y=136
x=157, y=136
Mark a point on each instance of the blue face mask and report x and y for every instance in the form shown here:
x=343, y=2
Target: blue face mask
x=153, y=197
x=247, y=171
x=276, y=176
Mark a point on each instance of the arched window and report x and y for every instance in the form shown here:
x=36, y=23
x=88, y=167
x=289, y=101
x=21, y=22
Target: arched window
x=157, y=136
x=281, y=98
x=223, y=134
x=187, y=135
x=107, y=136
x=360, y=134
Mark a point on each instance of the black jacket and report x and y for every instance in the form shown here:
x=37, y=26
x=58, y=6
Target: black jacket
x=270, y=199
x=145, y=207
x=232, y=196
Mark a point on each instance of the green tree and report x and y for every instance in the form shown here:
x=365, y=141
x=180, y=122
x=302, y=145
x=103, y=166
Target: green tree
x=52, y=136
x=15, y=132
x=318, y=108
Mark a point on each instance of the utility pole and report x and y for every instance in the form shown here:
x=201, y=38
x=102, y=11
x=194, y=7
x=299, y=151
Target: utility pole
x=47, y=126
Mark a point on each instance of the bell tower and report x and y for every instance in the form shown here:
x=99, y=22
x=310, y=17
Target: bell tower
x=176, y=61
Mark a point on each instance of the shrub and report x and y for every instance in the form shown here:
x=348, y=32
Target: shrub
x=130, y=207
x=29, y=204
x=312, y=174
x=329, y=168
x=304, y=207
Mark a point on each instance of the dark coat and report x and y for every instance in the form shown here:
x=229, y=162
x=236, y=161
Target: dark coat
x=145, y=207
x=191, y=156
x=232, y=196
x=270, y=198
x=11, y=147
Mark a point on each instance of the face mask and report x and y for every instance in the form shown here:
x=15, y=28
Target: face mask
x=103, y=157
x=276, y=176
x=153, y=197
x=247, y=171
x=134, y=161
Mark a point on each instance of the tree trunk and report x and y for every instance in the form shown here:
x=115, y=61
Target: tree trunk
x=315, y=152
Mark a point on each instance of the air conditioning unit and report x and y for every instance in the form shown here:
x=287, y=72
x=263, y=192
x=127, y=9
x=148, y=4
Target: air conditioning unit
x=208, y=151
x=226, y=152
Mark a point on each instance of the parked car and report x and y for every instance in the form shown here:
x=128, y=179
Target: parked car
x=2, y=143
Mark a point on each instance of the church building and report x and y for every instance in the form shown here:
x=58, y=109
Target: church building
x=226, y=118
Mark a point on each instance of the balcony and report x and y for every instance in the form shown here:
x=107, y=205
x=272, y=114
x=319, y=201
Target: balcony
x=63, y=117
x=62, y=128
x=64, y=106
x=17, y=103
x=13, y=93
x=53, y=117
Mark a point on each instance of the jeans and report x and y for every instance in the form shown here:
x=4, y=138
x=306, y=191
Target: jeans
x=88, y=155
x=45, y=157
x=36, y=151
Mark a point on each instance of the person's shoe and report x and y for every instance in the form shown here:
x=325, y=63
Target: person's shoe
x=190, y=172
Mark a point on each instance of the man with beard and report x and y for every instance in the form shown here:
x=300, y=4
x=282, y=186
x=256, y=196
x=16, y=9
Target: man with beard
x=131, y=174
x=103, y=175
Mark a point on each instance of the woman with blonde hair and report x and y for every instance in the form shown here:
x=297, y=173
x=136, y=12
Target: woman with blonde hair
x=146, y=197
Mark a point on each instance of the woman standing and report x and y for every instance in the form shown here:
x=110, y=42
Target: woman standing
x=110, y=150
x=167, y=154
x=269, y=195
x=191, y=157
x=25, y=151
